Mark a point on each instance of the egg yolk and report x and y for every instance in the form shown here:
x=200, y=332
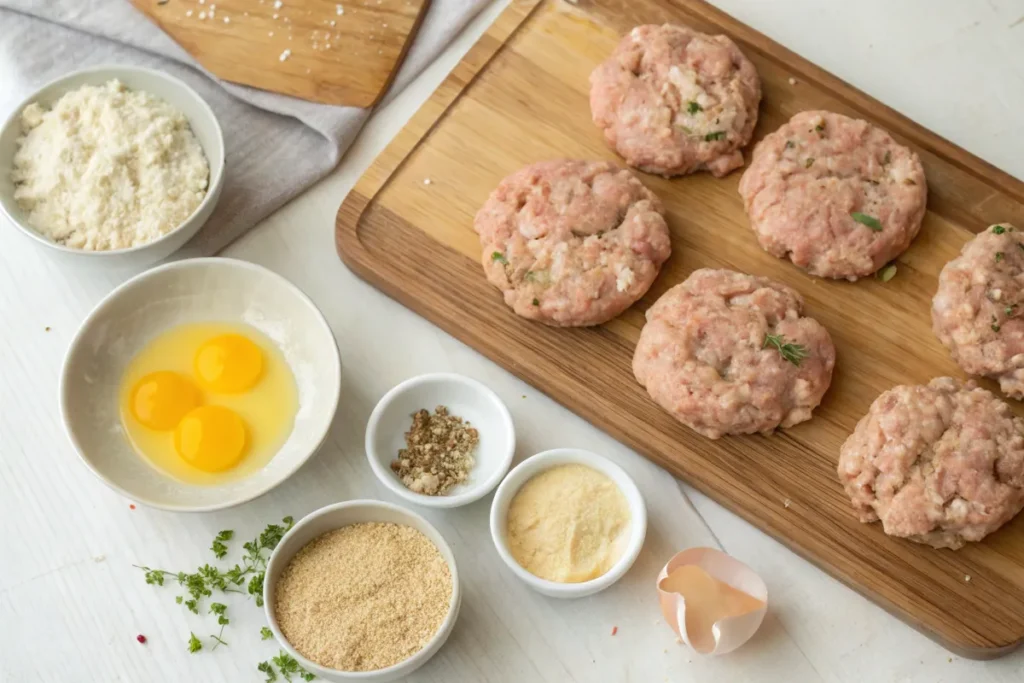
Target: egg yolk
x=211, y=438
x=229, y=364
x=161, y=399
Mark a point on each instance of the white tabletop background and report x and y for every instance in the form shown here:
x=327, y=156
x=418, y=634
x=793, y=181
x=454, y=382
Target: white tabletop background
x=71, y=604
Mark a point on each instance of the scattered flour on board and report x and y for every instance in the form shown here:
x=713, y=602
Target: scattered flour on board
x=107, y=168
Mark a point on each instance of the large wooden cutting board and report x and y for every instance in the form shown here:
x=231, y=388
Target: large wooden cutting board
x=521, y=95
x=342, y=52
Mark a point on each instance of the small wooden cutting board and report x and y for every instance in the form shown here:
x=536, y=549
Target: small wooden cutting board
x=342, y=53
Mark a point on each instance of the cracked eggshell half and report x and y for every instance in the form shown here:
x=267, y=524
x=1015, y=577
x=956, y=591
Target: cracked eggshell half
x=735, y=623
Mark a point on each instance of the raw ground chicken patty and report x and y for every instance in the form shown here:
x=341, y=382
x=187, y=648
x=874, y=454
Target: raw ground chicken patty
x=703, y=354
x=808, y=178
x=941, y=464
x=672, y=100
x=978, y=309
x=572, y=243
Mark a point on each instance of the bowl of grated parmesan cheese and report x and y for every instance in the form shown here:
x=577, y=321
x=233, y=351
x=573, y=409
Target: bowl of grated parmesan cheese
x=112, y=166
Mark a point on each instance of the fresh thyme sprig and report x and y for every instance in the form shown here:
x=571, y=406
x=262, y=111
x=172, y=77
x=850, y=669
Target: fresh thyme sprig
x=794, y=353
x=206, y=579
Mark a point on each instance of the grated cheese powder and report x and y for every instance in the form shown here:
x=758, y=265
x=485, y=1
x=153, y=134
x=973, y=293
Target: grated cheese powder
x=107, y=168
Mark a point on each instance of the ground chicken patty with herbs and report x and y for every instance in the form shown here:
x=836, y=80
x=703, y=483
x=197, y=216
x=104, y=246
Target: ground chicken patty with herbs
x=978, y=310
x=837, y=196
x=572, y=243
x=672, y=101
x=730, y=353
x=941, y=464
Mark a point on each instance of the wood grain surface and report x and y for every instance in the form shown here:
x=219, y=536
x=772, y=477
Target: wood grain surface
x=521, y=95
x=343, y=53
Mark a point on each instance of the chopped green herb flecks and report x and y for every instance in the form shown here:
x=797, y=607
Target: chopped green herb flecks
x=1010, y=310
x=809, y=162
x=887, y=158
x=288, y=667
x=998, y=229
x=793, y=353
x=499, y=257
x=693, y=107
x=867, y=220
x=995, y=324
x=887, y=273
x=717, y=135
x=194, y=644
x=266, y=633
x=219, y=547
x=790, y=144
x=536, y=302
x=268, y=669
x=999, y=256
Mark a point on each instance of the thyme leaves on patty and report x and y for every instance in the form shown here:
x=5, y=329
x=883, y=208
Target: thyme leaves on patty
x=792, y=353
x=870, y=221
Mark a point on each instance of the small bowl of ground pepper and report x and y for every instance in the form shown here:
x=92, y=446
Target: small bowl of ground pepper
x=440, y=440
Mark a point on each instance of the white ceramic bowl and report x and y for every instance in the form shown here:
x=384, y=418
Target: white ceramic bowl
x=334, y=517
x=180, y=96
x=465, y=398
x=533, y=466
x=195, y=290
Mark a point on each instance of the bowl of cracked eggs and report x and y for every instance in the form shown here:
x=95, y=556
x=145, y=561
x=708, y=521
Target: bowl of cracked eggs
x=200, y=384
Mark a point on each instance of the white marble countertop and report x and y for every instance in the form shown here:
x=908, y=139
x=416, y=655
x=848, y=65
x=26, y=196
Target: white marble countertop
x=71, y=604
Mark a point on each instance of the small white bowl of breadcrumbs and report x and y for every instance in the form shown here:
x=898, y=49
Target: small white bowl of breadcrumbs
x=362, y=591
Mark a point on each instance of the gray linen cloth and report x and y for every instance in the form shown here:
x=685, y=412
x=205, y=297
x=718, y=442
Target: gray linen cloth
x=277, y=146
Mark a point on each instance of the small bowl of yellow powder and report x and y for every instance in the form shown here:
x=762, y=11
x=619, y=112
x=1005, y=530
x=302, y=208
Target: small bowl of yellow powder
x=362, y=590
x=568, y=522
